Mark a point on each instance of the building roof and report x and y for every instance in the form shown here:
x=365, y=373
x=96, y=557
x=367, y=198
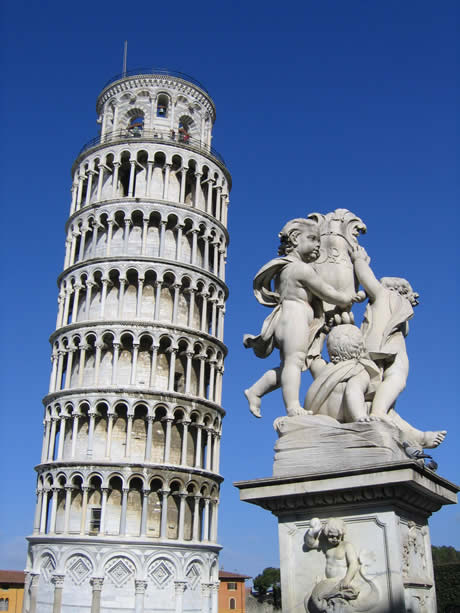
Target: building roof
x=225, y=574
x=12, y=576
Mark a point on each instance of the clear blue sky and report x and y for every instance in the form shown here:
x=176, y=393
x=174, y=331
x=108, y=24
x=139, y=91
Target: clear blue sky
x=319, y=105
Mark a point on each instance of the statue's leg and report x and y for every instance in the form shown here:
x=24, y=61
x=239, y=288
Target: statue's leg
x=394, y=382
x=387, y=394
x=268, y=382
x=291, y=369
x=427, y=439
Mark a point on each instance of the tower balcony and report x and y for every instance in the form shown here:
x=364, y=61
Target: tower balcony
x=137, y=133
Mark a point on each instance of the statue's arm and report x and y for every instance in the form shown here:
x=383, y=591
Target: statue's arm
x=352, y=564
x=367, y=278
x=323, y=290
x=313, y=533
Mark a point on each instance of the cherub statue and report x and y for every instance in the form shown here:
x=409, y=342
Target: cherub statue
x=385, y=326
x=342, y=589
x=342, y=386
x=297, y=317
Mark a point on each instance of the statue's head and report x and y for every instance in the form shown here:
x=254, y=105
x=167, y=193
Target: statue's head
x=402, y=287
x=301, y=235
x=344, y=342
x=334, y=531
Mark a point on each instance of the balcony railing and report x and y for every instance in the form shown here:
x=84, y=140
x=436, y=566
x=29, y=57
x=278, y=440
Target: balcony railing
x=156, y=71
x=160, y=136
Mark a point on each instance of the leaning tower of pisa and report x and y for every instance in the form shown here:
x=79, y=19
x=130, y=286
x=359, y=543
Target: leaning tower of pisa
x=128, y=482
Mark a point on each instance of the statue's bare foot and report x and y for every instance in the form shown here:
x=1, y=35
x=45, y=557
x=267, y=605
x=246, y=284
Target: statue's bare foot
x=254, y=402
x=298, y=410
x=433, y=439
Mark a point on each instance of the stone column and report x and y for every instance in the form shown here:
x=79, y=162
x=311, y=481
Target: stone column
x=197, y=189
x=121, y=297
x=148, y=441
x=209, y=198
x=202, y=359
x=208, y=448
x=204, y=316
x=100, y=181
x=129, y=428
x=76, y=300
x=148, y=182
x=140, y=587
x=183, y=454
x=46, y=441
x=89, y=187
x=38, y=511
x=43, y=514
x=179, y=589
x=134, y=364
x=172, y=368
x=97, y=361
x=196, y=518
x=206, y=520
x=205, y=597
x=194, y=246
x=158, y=286
x=177, y=287
x=164, y=513
x=59, y=370
x=182, y=496
x=81, y=366
x=166, y=181
x=89, y=289
x=145, y=229
x=198, y=458
x=212, y=369
x=52, y=439
x=105, y=493
x=132, y=176
x=74, y=434
x=110, y=223
x=105, y=284
x=124, y=506
x=116, y=167
x=128, y=224
x=140, y=288
x=54, y=360
x=96, y=584
x=92, y=420
x=108, y=442
x=145, y=500
x=33, y=589
x=58, y=581
x=168, y=421
x=68, y=503
x=188, y=371
x=179, y=242
x=214, y=520
x=162, y=238
x=191, y=307
x=214, y=597
x=153, y=369
x=116, y=354
x=183, y=177
x=84, y=508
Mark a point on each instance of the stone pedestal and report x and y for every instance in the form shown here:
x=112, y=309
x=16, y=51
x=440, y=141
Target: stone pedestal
x=385, y=510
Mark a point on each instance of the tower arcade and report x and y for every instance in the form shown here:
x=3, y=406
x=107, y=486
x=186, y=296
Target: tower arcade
x=128, y=482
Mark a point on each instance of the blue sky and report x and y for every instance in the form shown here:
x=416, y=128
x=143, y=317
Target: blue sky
x=320, y=105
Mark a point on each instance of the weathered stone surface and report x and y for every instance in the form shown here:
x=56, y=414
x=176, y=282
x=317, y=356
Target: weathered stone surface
x=314, y=444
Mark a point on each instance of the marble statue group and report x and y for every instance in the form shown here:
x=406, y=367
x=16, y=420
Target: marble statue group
x=311, y=288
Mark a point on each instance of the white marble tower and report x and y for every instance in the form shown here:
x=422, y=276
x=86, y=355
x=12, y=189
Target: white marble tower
x=128, y=482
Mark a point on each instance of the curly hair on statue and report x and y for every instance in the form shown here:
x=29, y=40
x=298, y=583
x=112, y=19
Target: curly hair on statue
x=290, y=231
x=344, y=342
